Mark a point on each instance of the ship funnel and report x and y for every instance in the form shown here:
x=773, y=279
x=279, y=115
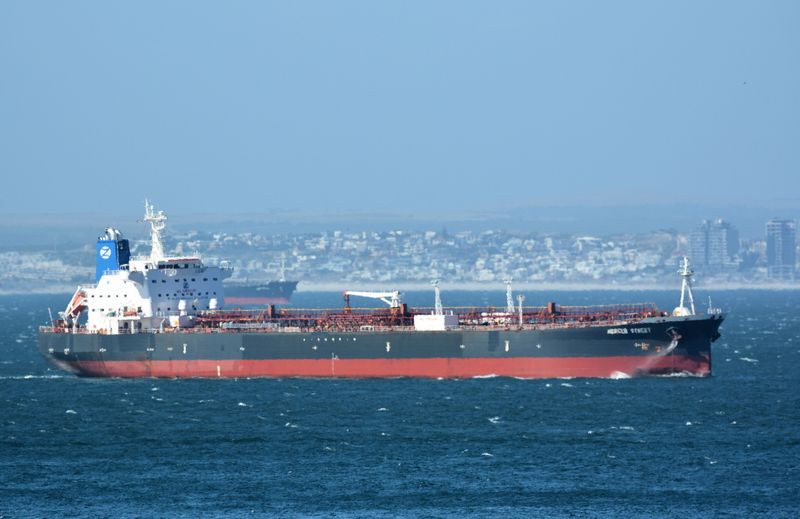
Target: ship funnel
x=113, y=252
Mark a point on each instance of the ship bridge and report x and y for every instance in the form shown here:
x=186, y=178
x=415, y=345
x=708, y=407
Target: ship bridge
x=146, y=292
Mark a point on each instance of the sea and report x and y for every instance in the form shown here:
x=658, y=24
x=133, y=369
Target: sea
x=726, y=445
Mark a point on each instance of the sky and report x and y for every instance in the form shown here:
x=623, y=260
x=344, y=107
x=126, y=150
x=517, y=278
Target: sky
x=404, y=107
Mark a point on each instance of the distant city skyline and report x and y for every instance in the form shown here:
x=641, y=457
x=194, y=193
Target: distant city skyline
x=408, y=107
x=465, y=258
x=21, y=230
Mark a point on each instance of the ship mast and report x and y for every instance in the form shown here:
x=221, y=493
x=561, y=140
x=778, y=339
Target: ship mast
x=437, y=302
x=686, y=288
x=156, y=221
x=509, y=297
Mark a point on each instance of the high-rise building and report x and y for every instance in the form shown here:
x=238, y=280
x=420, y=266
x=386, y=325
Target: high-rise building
x=714, y=245
x=781, y=249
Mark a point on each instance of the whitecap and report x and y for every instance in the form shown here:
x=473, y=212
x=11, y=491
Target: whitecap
x=242, y=404
x=618, y=375
x=70, y=411
x=490, y=375
x=748, y=359
x=626, y=428
x=28, y=377
x=487, y=454
x=688, y=423
x=494, y=419
x=565, y=384
x=382, y=409
x=680, y=374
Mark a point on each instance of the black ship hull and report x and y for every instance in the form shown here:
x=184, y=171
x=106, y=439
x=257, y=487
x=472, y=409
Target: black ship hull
x=652, y=346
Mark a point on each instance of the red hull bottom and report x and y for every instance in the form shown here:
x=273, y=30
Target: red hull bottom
x=545, y=367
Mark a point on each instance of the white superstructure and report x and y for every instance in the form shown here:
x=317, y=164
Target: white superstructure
x=151, y=292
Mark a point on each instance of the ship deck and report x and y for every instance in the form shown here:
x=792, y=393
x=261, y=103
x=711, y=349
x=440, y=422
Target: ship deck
x=270, y=320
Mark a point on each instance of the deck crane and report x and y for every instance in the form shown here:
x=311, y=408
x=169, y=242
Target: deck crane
x=394, y=298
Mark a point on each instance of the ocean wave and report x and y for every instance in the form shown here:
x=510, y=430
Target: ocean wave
x=29, y=377
x=681, y=374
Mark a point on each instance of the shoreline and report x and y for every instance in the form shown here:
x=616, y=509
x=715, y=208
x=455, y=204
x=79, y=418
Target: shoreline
x=338, y=287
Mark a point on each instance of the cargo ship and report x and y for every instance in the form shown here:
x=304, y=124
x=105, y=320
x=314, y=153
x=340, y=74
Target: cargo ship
x=166, y=316
x=274, y=292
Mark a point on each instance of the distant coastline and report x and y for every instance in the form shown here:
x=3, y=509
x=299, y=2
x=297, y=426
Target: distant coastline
x=308, y=286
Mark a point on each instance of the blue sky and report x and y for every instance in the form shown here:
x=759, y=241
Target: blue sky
x=407, y=106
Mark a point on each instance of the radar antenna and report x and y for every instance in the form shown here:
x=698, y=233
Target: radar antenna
x=157, y=225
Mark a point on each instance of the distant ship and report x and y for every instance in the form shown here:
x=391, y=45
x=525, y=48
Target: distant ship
x=164, y=316
x=272, y=293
